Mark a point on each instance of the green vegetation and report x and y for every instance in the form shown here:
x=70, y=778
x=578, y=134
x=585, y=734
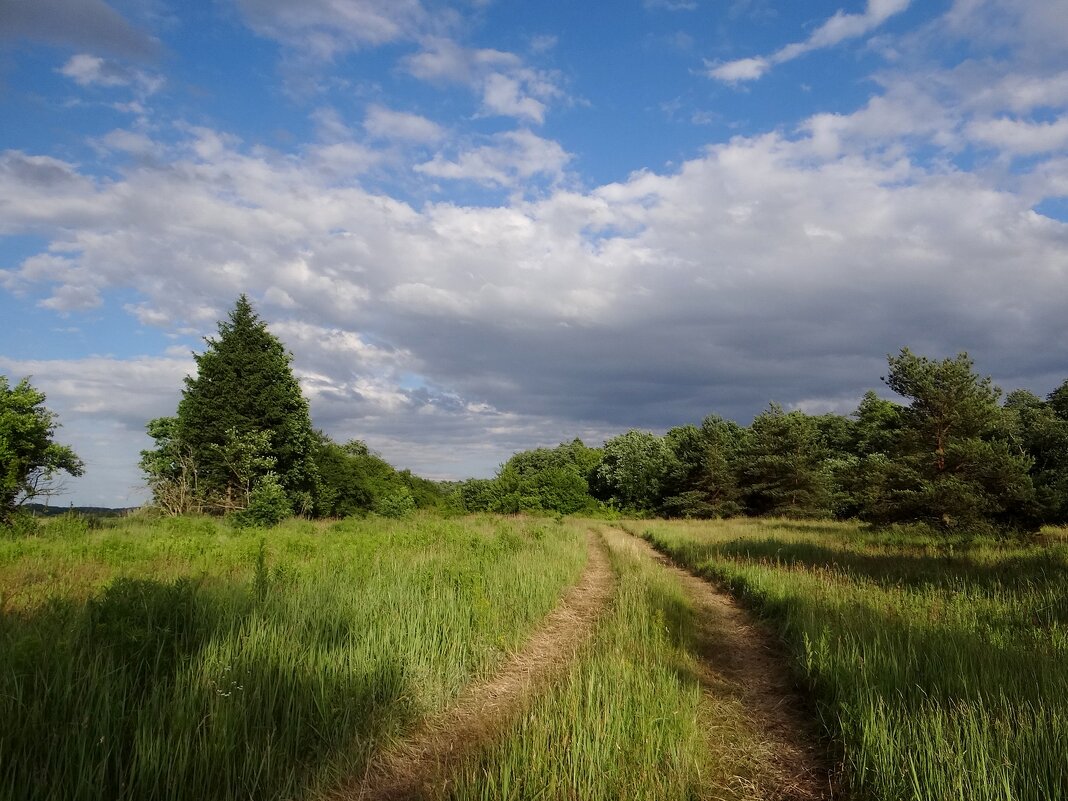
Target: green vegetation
x=543, y=479
x=181, y=658
x=629, y=718
x=242, y=443
x=241, y=418
x=952, y=459
x=29, y=459
x=939, y=663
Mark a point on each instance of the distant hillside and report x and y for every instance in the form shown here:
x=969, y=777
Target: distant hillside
x=41, y=510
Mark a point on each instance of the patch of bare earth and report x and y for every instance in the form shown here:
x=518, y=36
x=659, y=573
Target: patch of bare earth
x=424, y=761
x=742, y=659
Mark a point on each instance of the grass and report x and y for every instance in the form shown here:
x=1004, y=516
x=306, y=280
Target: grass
x=630, y=718
x=182, y=659
x=941, y=668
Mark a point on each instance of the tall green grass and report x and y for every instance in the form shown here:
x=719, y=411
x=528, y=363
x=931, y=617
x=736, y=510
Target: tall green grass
x=181, y=659
x=941, y=667
x=630, y=718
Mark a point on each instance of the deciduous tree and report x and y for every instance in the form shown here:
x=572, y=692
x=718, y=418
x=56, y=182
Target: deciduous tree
x=30, y=461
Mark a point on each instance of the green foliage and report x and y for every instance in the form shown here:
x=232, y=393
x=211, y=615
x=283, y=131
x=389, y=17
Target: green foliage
x=355, y=481
x=243, y=415
x=29, y=460
x=635, y=469
x=781, y=466
x=704, y=484
x=268, y=505
x=952, y=466
x=878, y=424
x=395, y=504
x=169, y=469
x=539, y=480
x=1040, y=431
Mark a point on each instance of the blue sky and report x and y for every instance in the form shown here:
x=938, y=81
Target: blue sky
x=486, y=225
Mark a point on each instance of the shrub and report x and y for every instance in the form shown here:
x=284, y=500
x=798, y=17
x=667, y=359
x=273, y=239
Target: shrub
x=398, y=503
x=268, y=504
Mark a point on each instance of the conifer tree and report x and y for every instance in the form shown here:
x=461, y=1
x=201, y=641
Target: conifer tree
x=781, y=469
x=952, y=466
x=243, y=416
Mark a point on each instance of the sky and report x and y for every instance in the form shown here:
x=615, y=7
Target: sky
x=482, y=226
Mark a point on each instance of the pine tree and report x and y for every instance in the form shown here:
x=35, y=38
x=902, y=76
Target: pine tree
x=243, y=416
x=952, y=466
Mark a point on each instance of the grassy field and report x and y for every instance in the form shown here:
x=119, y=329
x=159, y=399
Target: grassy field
x=630, y=718
x=941, y=668
x=182, y=659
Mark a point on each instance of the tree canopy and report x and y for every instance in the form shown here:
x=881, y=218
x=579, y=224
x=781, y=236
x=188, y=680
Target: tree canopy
x=30, y=461
x=242, y=421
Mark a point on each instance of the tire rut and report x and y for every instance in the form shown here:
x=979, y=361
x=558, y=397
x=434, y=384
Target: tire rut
x=737, y=650
x=424, y=760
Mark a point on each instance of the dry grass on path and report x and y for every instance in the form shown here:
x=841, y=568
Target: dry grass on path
x=413, y=767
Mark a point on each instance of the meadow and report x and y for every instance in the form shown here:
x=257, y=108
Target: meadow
x=634, y=716
x=940, y=666
x=184, y=659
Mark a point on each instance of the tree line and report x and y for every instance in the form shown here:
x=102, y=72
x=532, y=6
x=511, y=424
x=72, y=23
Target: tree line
x=952, y=455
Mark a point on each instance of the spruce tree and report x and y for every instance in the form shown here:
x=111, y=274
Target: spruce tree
x=243, y=416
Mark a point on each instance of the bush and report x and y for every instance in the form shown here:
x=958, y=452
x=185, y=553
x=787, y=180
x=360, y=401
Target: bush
x=398, y=503
x=20, y=524
x=268, y=505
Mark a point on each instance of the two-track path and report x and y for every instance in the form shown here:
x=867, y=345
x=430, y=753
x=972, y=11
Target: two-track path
x=740, y=654
x=426, y=758
x=734, y=653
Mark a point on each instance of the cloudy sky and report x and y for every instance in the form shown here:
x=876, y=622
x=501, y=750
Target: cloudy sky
x=484, y=225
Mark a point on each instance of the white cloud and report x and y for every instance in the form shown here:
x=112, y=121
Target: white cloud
x=324, y=29
x=670, y=5
x=384, y=123
x=509, y=158
x=1021, y=137
x=103, y=405
x=742, y=69
x=133, y=142
x=507, y=87
x=89, y=70
x=838, y=28
x=504, y=96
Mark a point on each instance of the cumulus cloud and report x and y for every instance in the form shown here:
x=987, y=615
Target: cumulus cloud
x=103, y=405
x=506, y=85
x=509, y=157
x=384, y=123
x=838, y=28
x=649, y=301
x=671, y=5
x=1021, y=137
